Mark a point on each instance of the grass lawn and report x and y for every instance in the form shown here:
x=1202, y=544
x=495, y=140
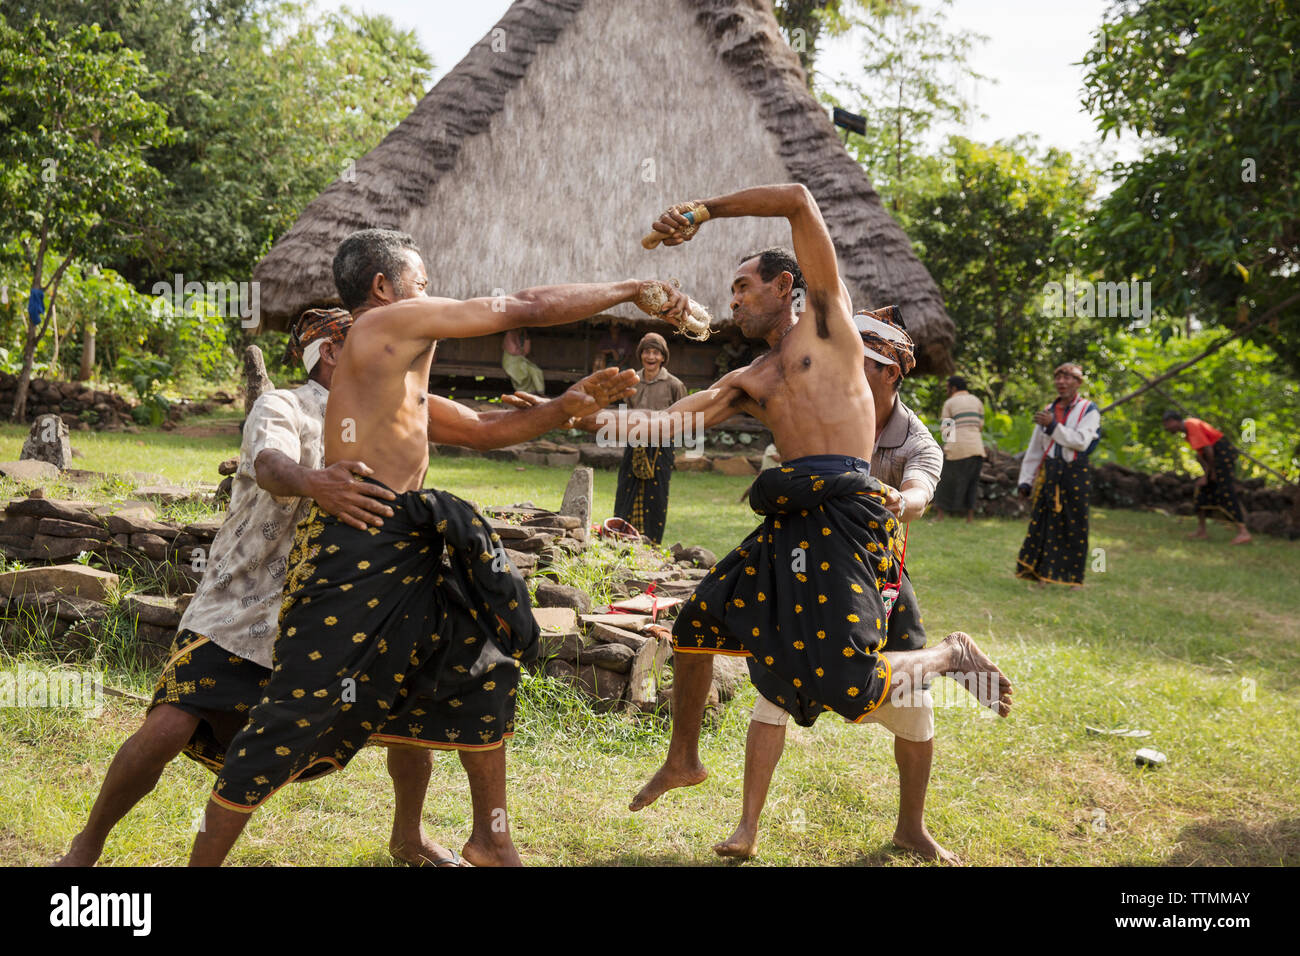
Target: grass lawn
x=1197, y=642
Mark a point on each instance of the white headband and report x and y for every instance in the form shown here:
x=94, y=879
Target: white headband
x=890, y=333
x=311, y=354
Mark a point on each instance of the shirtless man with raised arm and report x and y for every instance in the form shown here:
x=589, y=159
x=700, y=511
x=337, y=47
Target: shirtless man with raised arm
x=802, y=595
x=378, y=639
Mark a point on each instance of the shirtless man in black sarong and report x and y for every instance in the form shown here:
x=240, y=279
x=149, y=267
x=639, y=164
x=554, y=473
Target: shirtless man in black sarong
x=810, y=390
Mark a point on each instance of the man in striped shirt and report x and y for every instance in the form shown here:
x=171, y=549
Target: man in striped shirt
x=962, y=422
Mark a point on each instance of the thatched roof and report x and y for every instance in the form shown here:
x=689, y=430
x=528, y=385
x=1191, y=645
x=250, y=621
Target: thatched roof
x=548, y=150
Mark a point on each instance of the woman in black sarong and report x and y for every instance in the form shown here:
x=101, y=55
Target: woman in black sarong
x=1055, y=471
x=1055, y=548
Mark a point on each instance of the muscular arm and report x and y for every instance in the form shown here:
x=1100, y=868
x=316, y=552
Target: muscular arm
x=283, y=477
x=916, y=496
x=454, y=424
x=427, y=318
x=717, y=403
x=813, y=247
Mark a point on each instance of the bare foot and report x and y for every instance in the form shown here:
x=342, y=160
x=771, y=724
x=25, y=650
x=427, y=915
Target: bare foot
x=424, y=853
x=740, y=845
x=1243, y=538
x=1197, y=535
x=491, y=852
x=668, y=777
x=79, y=854
x=924, y=846
x=978, y=674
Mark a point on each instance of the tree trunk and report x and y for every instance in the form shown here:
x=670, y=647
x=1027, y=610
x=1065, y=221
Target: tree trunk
x=19, y=413
x=54, y=359
x=87, y=353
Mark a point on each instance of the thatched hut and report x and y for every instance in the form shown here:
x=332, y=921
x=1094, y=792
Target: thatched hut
x=545, y=154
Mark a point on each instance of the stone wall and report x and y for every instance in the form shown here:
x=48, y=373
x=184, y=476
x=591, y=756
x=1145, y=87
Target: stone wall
x=85, y=409
x=1274, y=511
x=80, y=406
x=616, y=660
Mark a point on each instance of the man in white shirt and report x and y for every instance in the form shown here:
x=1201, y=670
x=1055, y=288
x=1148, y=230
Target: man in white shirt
x=961, y=424
x=1055, y=471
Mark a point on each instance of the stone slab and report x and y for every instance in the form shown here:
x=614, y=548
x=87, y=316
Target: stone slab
x=75, y=579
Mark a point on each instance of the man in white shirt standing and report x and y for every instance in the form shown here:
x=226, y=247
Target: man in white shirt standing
x=1055, y=471
x=961, y=424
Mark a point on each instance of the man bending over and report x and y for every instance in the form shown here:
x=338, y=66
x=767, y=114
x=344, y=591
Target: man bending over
x=378, y=639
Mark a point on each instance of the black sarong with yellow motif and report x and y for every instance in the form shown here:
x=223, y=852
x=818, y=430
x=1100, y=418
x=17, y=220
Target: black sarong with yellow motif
x=412, y=633
x=642, y=494
x=214, y=685
x=801, y=596
x=1217, y=498
x=1055, y=548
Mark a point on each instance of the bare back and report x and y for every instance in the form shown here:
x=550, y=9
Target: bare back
x=378, y=410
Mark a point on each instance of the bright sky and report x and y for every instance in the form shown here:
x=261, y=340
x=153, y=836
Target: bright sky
x=1030, y=53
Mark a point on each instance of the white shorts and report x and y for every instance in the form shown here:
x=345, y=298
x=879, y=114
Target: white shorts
x=903, y=715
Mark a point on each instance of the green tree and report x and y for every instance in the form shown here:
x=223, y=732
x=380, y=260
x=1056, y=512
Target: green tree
x=804, y=22
x=305, y=97
x=908, y=87
x=1210, y=214
x=993, y=230
x=1234, y=390
x=272, y=99
x=74, y=180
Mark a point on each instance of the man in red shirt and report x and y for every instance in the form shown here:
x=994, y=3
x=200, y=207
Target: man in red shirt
x=1216, y=490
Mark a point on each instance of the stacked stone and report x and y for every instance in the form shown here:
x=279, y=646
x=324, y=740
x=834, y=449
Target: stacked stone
x=70, y=603
x=618, y=660
x=47, y=529
x=74, y=402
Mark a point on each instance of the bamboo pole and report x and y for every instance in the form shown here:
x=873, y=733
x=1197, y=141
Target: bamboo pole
x=1182, y=408
x=1218, y=344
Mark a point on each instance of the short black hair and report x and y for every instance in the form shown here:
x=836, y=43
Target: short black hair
x=772, y=262
x=958, y=382
x=1171, y=415
x=364, y=255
